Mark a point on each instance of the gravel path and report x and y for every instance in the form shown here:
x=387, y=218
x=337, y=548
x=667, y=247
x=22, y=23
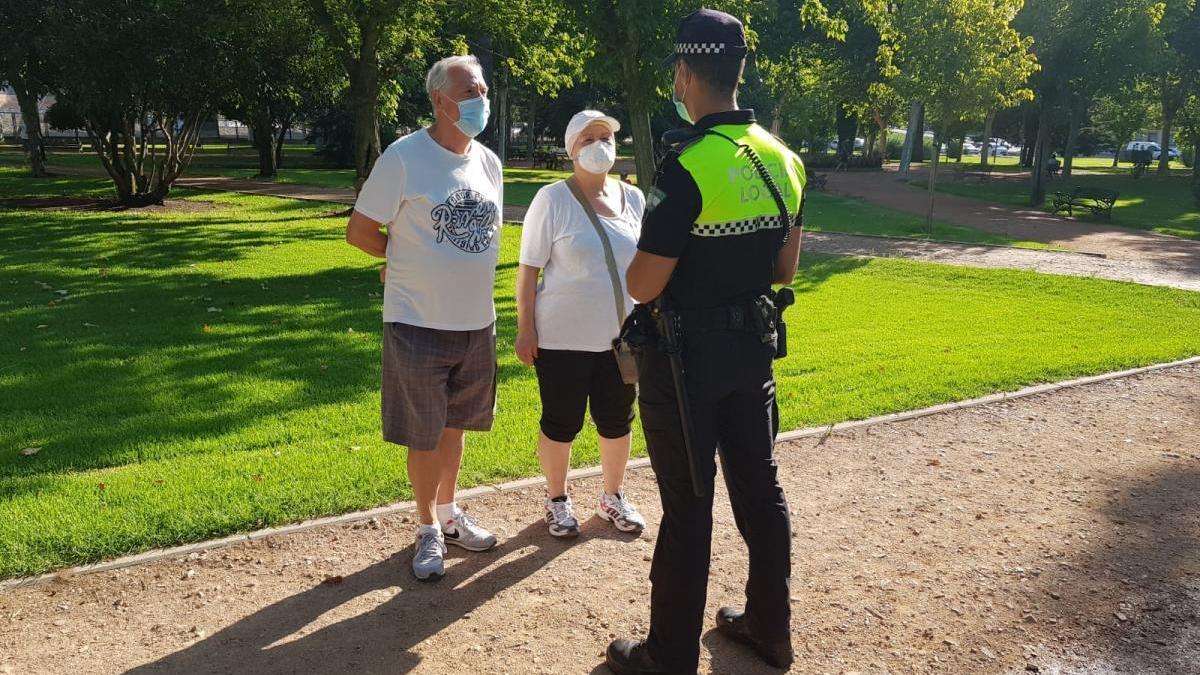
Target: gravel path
x=1047, y=262
x=1058, y=533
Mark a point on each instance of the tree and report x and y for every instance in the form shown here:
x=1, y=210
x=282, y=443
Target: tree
x=282, y=69
x=377, y=42
x=26, y=65
x=1121, y=114
x=532, y=44
x=633, y=38
x=959, y=57
x=130, y=75
x=1177, y=49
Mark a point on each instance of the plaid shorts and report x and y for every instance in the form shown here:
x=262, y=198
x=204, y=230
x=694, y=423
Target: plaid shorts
x=434, y=380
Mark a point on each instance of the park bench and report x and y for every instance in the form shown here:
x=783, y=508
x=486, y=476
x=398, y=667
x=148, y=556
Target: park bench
x=1141, y=161
x=62, y=142
x=1098, y=200
x=817, y=181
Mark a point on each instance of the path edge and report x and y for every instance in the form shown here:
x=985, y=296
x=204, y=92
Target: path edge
x=583, y=472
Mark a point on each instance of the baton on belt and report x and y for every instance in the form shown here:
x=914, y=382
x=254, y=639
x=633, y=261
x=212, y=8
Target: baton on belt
x=670, y=332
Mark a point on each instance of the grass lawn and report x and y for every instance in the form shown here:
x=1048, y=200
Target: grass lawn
x=191, y=374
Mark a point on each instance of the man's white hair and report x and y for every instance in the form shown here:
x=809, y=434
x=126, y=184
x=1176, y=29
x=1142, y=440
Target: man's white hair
x=439, y=75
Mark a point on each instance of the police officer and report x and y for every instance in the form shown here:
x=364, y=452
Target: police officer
x=716, y=235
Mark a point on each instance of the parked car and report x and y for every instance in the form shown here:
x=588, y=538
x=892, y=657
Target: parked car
x=1154, y=148
x=970, y=148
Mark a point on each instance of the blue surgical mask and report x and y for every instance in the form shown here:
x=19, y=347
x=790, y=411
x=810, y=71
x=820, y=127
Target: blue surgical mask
x=473, y=115
x=680, y=108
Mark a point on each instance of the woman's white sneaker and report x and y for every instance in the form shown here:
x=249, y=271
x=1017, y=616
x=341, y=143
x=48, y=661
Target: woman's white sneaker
x=560, y=517
x=620, y=512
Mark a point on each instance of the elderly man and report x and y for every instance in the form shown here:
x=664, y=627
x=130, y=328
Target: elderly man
x=432, y=208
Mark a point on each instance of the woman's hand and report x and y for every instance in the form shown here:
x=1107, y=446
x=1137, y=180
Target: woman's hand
x=526, y=347
x=383, y=274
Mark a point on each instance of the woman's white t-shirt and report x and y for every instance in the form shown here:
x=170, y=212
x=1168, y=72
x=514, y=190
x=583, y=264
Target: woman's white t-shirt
x=575, y=308
x=443, y=213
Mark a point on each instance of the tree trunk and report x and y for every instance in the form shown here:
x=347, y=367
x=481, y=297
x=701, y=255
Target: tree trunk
x=937, y=146
x=910, y=139
x=987, y=139
x=530, y=131
x=1171, y=101
x=1196, y=166
x=1077, y=111
x=847, y=125
x=1038, y=195
x=28, y=102
x=1029, y=132
x=918, y=151
x=503, y=127
x=777, y=118
x=284, y=128
x=643, y=143
x=262, y=134
x=883, y=135
x=364, y=109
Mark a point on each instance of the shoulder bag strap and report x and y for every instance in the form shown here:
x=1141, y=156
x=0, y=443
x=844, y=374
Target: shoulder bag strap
x=609, y=258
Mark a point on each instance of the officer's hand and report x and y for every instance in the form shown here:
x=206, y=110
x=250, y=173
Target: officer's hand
x=526, y=346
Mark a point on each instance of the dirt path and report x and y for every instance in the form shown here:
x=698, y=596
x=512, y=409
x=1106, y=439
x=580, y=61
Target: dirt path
x=1058, y=533
x=1171, y=254
x=1046, y=262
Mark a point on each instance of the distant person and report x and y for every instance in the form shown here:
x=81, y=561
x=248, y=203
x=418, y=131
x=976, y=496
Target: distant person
x=567, y=322
x=1053, y=166
x=438, y=193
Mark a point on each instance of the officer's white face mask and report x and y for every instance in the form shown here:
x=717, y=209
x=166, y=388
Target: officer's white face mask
x=597, y=157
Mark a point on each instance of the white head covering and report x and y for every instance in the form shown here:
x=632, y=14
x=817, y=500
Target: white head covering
x=581, y=121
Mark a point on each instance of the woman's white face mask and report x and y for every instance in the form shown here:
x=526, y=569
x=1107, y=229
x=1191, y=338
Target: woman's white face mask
x=597, y=157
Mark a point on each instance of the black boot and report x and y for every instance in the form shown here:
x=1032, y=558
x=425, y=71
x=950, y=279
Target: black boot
x=732, y=624
x=626, y=657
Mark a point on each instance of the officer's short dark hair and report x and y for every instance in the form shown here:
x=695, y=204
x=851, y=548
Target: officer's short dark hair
x=722, y=72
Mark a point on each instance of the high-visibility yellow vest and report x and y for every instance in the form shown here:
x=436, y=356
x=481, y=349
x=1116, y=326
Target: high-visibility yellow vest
x=734, y=199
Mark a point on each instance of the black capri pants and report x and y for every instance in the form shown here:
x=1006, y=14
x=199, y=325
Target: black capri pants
x=569, y=380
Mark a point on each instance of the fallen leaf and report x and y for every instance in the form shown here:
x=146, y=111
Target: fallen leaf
x=103, y=487
x=933, y=462
x=207, y=328
x=214, y=309
x=333, y=580
x=258, y=477
x=28, y=452
x=89, y=325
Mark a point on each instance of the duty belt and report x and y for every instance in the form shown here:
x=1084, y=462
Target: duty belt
x=757, y=317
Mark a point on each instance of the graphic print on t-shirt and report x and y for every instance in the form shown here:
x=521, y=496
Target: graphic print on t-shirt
x=467, y=219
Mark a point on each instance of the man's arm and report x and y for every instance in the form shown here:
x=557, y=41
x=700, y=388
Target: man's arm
x=648, y=275
x=366, y=235
x=672, y=208
x=787, y=261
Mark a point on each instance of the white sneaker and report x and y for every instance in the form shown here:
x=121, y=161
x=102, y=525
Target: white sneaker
x=428, y=555
x=560, y=518
x=463, y=531
x=620, y=512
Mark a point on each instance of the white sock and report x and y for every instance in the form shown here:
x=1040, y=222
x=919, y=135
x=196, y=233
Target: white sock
x=423, y=528
x=446, y=512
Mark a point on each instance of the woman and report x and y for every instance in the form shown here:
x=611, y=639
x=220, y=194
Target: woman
x=567, y=322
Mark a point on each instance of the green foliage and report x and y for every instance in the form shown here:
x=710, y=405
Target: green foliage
x=962, y=58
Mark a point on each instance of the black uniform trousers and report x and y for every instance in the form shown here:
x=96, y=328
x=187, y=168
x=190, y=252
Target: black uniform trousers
x=731, y=392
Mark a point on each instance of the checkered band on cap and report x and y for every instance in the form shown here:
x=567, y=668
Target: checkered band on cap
x=736, y=227
x=700, y=48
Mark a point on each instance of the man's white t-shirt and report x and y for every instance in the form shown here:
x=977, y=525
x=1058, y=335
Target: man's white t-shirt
x=575, y=309
x=443, y=213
